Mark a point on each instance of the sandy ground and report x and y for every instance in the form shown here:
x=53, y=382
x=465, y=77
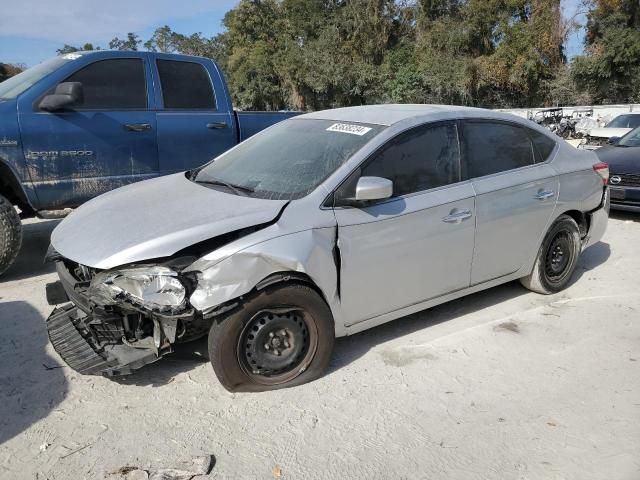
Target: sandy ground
x=504, y=384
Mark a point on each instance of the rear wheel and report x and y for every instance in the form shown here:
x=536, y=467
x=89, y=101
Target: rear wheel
x=280, y=337
x=10, y=234
x=557, y=258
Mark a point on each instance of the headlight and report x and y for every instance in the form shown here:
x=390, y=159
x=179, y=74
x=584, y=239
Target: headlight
x=155, y=288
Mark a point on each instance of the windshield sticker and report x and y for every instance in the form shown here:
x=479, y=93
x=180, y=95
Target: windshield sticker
x=348, y=128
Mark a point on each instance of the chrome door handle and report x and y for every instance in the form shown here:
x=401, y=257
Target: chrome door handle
x=137, y=127
x=457, y=217
x=217, y=125
x=543, y=195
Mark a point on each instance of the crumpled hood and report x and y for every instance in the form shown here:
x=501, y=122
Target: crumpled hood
x=608, y=132
x=152, y=219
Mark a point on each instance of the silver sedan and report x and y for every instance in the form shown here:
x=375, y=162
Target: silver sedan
x=321, y=226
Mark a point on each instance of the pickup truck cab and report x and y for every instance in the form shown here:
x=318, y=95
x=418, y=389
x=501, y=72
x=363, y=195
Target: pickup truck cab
x=84, y=123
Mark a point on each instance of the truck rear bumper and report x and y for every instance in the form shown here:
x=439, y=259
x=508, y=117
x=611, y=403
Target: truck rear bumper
x=625, y=198
x=75, y=343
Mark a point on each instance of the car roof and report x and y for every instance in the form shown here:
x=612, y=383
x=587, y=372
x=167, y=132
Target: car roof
x=389, y=114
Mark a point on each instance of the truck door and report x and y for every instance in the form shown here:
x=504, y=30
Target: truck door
x=195, y=123
x=105, y=141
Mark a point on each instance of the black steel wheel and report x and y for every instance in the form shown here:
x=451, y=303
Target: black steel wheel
x=279, y=337
x=275, y=344
x=557, y=257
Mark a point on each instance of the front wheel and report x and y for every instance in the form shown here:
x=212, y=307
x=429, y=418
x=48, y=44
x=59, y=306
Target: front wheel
x=557, y=258
x=10, y=234
x=280, y=337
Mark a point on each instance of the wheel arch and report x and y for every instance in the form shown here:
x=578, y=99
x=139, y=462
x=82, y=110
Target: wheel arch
x=581, y=218
x=305, y=257
x=11, y=188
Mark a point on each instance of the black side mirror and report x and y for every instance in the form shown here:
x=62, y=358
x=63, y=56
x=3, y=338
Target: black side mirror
x=66, y=94
x=613, y=140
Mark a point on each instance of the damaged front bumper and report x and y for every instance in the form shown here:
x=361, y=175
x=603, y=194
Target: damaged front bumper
x=72, y=335
x=95, y=338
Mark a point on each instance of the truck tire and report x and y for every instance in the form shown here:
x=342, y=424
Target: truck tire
x=280, y=337
x=557, y=258
x=10, y=234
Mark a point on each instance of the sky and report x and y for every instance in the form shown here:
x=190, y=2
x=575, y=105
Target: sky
x=32, y=30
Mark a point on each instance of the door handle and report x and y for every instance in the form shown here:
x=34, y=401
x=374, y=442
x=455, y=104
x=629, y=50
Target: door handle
x=543, y=195
x=214, y=125
x=137, y=127
x=457, y=216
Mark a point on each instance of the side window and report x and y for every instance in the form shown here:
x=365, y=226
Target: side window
x=422, y=158
x=117, y=84
x=543, y=145
x=185, y=86
x=495, y=147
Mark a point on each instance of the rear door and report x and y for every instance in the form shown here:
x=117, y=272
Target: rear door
x=516, y=193
x=106, y=141
x=418, y=244
x=194, y=125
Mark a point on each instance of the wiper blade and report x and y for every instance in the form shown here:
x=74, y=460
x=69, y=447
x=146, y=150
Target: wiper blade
x=237, y=189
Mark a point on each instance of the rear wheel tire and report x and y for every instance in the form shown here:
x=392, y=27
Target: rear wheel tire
x=10, y=234
x=557, y=258
x=280, y=337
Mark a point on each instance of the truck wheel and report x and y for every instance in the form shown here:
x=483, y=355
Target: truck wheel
x=10, y=234
x=557, y=258
x=280, y=337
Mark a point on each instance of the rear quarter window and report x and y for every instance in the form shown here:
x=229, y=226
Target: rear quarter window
x=494, y=147
x=544, y=146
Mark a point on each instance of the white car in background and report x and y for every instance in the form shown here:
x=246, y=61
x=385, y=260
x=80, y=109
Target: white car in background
x=618, y=127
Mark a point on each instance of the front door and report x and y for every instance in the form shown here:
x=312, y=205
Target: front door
x=515, y=196
x=418, y=244
x=105, y=142
x=192, y=128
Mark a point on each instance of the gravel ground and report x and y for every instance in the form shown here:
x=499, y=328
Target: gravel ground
x=504, y=384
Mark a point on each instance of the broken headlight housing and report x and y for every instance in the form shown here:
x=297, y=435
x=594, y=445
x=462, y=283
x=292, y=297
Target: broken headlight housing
x=154, y=288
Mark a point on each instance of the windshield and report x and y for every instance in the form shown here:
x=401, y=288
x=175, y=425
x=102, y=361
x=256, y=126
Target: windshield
x=625, y=121
x=16, y=85
x=631, y=139
x=289, y=160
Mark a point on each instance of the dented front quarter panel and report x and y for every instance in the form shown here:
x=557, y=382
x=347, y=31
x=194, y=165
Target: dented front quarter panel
x=290, y=245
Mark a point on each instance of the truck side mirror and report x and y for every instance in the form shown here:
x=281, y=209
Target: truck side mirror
x=613, y=140
x=66, y=94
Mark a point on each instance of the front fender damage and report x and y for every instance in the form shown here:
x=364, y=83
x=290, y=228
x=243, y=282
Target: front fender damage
x=116, y=338
x=310, y=252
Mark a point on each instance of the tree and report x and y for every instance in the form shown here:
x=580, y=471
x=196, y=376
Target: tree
x=610, y=68
x=130, y=43
x=8, y=70
x=70, y=48
x=313, y=54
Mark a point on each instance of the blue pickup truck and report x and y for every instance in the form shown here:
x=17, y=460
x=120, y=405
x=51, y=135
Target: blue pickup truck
x=84, y=123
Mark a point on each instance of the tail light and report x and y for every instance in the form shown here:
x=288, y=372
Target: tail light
x=602, y=169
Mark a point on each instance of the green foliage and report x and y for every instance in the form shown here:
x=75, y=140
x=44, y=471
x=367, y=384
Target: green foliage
x=313, y=54
x=610, y=69
x=130, y=43
x=70, y=48
x=8, y=70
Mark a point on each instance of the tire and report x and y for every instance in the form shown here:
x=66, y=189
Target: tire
x=10, y=234
x=557, y=258
x=279, y=337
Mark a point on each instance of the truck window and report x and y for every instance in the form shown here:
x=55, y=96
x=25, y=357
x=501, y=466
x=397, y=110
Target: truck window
x=185, y=86
x=116, y=84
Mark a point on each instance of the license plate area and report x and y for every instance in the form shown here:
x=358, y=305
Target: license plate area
x=617, y=193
